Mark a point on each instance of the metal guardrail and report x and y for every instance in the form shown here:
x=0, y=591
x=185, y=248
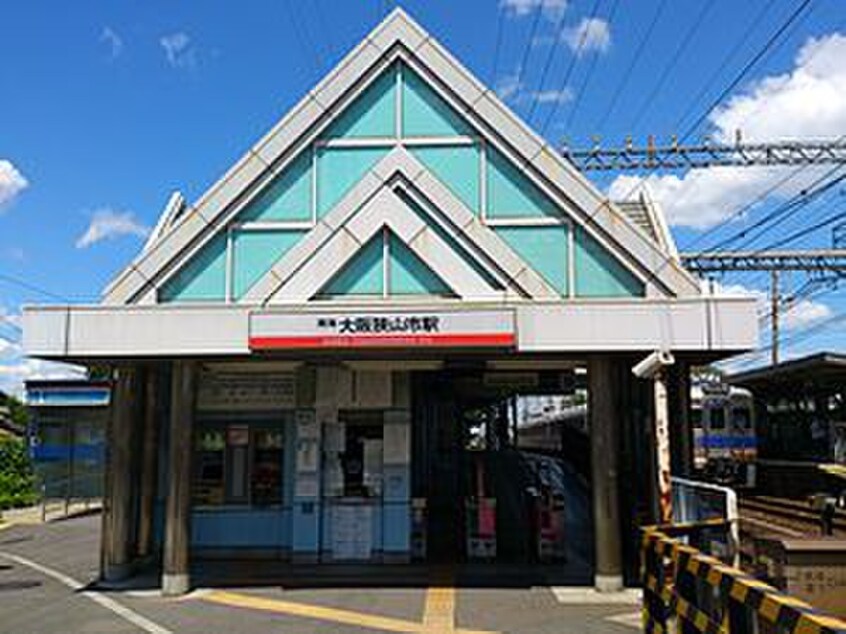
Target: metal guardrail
x=71, y=498
x=693, y=593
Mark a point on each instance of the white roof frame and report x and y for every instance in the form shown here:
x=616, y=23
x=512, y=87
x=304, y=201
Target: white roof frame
x=401, y=171
x=398, y=36
x=385, y=209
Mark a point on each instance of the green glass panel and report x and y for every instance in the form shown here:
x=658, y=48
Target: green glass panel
x=599, y=273
x=425, y=113
x=409, y=275
x=203, y=278
x=362, y=275
x=371, y=114
x=457, y=167
x=545, y=249
x=339, y=169
x=288, y=197
x=254, y=252
x=511, y=194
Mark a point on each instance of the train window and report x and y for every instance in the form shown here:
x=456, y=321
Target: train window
x=718, y=418
x=741, y=418
x=696, y=417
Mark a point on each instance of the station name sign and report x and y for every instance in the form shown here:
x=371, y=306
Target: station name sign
x=445, y=329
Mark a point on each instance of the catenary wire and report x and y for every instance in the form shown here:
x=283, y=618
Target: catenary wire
x=647, y=34
x=586, y=80
x=556, y=41
x=565, y=78
x=672, y=62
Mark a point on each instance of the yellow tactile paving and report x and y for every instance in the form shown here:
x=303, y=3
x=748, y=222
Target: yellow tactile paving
x=440, y=606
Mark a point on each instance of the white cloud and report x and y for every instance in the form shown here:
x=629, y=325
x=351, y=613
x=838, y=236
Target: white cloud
x=20, y=369
x=552, y=96
x=179, y=51
x=801, y=314
x=107, y=224
x=115, y=43
x=7, y=317
x=509, y=89
x=12, y=182
x=8, y=348
x=797, y=315
x=552, y=9
x=809, y=102
x=508, y=86
x=591, y=34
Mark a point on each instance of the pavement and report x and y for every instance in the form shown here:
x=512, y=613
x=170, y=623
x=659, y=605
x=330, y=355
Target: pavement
x=48, y=584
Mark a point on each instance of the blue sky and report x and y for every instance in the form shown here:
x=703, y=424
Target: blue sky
x=105, y=108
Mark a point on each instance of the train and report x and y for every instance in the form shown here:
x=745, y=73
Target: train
x=725, y=443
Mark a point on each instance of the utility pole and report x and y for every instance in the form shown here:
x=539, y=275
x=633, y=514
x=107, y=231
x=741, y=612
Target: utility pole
x=820, y=266
x=774, y=308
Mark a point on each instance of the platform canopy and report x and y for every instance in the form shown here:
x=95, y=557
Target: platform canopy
x=399, y=182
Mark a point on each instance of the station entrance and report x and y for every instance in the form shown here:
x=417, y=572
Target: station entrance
x=485, y=497
x=319, y=357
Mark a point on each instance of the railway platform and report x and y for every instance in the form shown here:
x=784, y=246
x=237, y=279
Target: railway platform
x=50, y=572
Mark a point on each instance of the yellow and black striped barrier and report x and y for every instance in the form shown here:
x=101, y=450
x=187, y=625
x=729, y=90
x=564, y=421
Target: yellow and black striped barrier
x=701, y=594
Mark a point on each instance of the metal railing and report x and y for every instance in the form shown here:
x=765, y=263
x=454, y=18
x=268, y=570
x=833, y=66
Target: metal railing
x=70, y=495
x=687, y=591
x=695, y=502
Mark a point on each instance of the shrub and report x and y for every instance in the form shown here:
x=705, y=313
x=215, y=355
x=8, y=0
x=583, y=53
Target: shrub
x=17, y=480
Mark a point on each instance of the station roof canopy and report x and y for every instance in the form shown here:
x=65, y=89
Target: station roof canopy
x=400, y=183
x=820, y=371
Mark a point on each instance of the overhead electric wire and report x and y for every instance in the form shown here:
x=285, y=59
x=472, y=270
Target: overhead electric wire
x=593, y=62
x=756, y=20
x=738, y=78
x=749, y=66
x=565, y=78
x=32, y=287
x=790, y=212
x=808, y=194
x=556, y=41
x=672, y=61
x=647, y=34
x=518, y=82
x=746, y=207
x=497, y=43
x=299, y=36
x=840, y=215
x=11, y=324
x=324, y=25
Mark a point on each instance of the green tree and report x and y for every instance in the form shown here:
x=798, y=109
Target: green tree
x=17, y=480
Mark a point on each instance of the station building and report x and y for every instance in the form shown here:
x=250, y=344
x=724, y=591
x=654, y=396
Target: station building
x=304, y=357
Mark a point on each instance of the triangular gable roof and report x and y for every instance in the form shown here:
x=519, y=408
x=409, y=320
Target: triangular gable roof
x=401, y=176
x=398, y=36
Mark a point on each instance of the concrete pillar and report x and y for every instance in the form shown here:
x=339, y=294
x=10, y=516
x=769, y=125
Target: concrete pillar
x=681, y=426
x=149, y=464
x=604, y=433
x=175, y=572
x=116, y=549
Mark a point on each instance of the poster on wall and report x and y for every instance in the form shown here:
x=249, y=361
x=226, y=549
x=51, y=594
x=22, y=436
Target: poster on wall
x=352, y=532
x=397, y=445
x=220, y=390
x=306, y=486
x=307, y=453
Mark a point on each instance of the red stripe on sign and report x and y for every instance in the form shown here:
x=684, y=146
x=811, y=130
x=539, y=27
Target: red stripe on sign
x=385, y=341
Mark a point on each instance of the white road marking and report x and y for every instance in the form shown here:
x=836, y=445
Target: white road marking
x=110, y=604
x=630, y=619
x=575, y=595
